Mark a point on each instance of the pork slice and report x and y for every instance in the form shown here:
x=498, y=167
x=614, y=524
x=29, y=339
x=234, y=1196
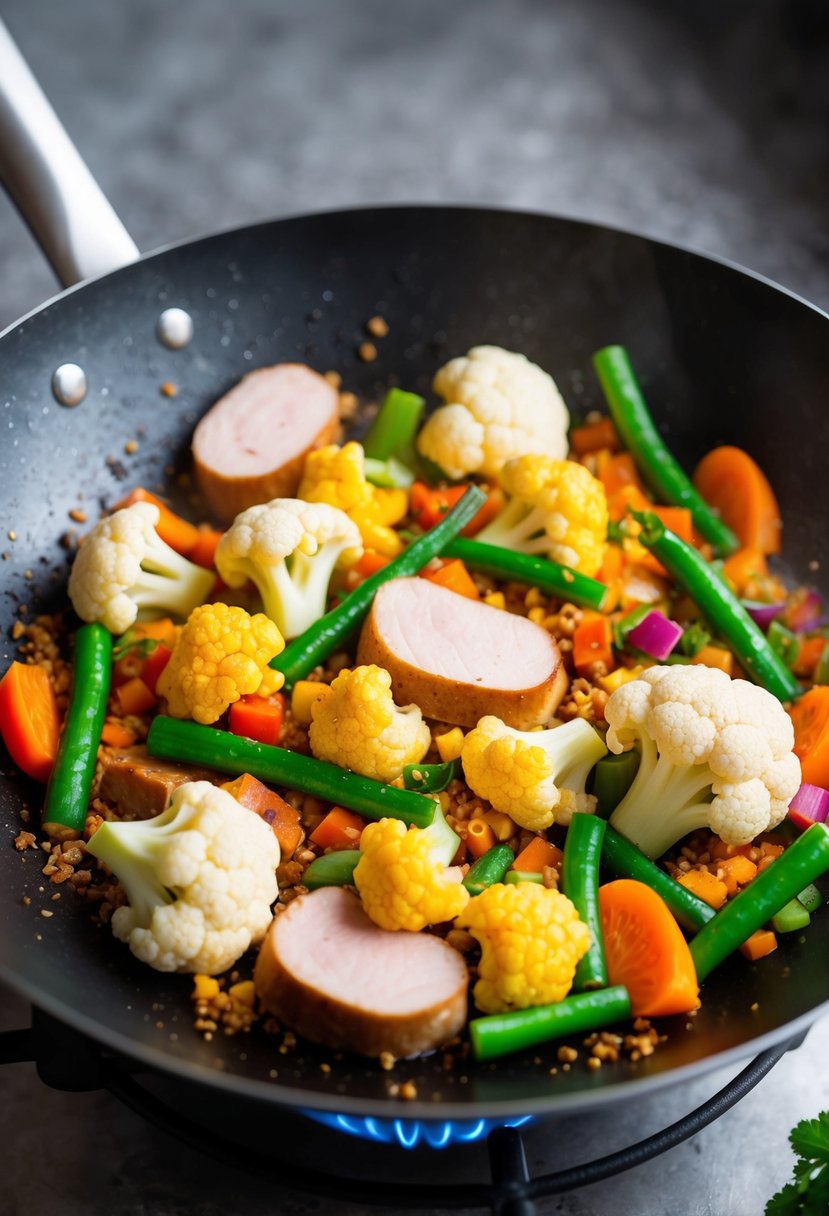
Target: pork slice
x=327, y=971
x=140, y=785
x=459, y=659
x=251, y=445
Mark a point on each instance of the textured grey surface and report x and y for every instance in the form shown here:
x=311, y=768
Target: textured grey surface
x=700, y=124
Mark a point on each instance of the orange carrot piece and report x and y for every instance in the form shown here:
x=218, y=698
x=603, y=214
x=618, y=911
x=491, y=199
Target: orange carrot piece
x=645, y=950
x=593, y=436
x=161, y=630
x=177, y=532
x=736, y=487
x=737, y=872
x=808, y=656
x=429, y=506
x=678, y=519
x=134, y=697
x=340, y=829
x=203, y=552
x=620, y=471
x=611, y=573
x=29, y=719
x=480, y=837
x=706, y=885
x=715, y=656
x=745, y=567
x=454, y=576
x=258, y=718
x=759, y=944
x=116, y=735
x=370, y=563
x=624, y=498
x=536, y=855
x=593, y=643
x=154, y=664
x=268, y=805
x=810, y=715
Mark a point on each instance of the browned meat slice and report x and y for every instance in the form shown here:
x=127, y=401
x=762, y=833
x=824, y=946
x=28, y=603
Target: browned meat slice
x=331, y=974
x=458, y=659
x=141, y=785
x=251, y=446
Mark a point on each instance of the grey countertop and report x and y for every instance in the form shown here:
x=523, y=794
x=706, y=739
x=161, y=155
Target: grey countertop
x=701, y=124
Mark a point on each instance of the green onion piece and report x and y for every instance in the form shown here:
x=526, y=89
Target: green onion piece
x=783, y=642
x=771, y=890
x=639, y=435
x=393, y=430
x=389, y=474
x=695, y=638
x=331, y=631
x=622, y=627
x=811, y=898
x=332, y=869
x=791, y=917
x=219, y=749
x=580, y=883
x=489, y=869
x=431, y=778
x=516, y=876
x=626, y=861
x=549, y=577
x=502, y=1033
x=612, y=778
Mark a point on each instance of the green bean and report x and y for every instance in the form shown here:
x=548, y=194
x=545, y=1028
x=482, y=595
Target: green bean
x=641, y=438
x=580, y=883
x=67, y=797
x=549, y=577
x=718, y=605
x=784, y=642
x=489, y=869
x=612, y=778
x=332, y=869
x=514, y=877
x=800, y=864
x=393, y=430
x=791, y=917
x=502, y=1033
x=626, y=861
x=431, y=778
x=331, y=631
x=219, y=749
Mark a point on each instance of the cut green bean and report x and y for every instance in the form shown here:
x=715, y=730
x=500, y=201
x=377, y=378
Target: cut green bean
x=499, y=1034
x=332, y=869
x=489, y=869
x=639, y=435
x=549, y=577
x=810, y=897
x=514, y=877
x=389, y=474
x=783, y=642
x=393, y=430
x=800, y=864
x=67, y=797
x=219, y=749
x=791, y=917
x=334, y=629
x=580, y=883
x=612, y=778
x=626, y=861
x=431, y=778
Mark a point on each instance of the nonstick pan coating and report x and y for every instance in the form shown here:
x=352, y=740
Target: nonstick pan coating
x=724, y=357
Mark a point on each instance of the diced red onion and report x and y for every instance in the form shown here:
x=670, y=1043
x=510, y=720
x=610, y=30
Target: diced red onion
x=762, y=614
x=809, y=805
x=807, y=613
x=655, y=635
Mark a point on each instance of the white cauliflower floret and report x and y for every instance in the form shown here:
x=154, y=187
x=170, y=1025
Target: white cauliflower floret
x=124, y=567
x=200, y=879
x=715, y=753
x=499, y=406
x=289, y=549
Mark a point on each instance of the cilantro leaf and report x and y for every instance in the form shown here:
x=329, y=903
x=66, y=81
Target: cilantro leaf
x=810, y=1139
x=785, y=1203
x=808, y=1193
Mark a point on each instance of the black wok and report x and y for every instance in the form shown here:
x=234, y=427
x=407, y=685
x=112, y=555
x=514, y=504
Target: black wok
x=725, y=357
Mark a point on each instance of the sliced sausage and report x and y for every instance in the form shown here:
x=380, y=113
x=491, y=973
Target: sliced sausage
x=251, y=446
x=327, y=971
x=458, y=659
x=140, y=785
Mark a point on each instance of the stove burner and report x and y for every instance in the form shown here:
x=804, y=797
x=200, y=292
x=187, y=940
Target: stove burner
x=409, y=1133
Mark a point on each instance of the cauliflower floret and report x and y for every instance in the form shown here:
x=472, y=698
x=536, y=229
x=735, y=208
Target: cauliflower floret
x=359, y=727
x=535, y=777
x=124, y=567
x=336, y=475
x=221, y=654
x=289, y=549
x=200, y=879
x=531, y=940
x=499, y=405
x=716, y=753
x=556, y=508
x=403, y=875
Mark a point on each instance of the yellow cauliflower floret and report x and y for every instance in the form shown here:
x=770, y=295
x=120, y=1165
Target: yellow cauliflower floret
x=336, y=475
x=531, y=940
x=556, y=508
x=404, y=878
x=222, y=654
x=359, y=727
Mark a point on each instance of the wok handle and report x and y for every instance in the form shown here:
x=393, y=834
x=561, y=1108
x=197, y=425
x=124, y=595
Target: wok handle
x=43, y=172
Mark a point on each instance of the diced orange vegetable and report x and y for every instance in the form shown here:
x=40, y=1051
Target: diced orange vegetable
x=720, y=850
x=770, y=848
x=203, y=552
x=258, y=718
x=625, y=498
x=593, y=643
x=810, y=715
x=29, y=719
x=611, y=573
x=131, y=663
x=370, y=563
x=736, y=487
x=759, y=944
x=705, y=885
x=678, y=519
x=134, y=697
x=161, y=630
x=620, y=471
x=428, y=506
x=593, y=436
x=536, y=855
x=808, y=656
x=715, y=656
x=744, y=568
x=265, y=802
x=116, y=735
x=736, y=872
x=479, y=837
x=154, y=664
x=454, y=576
x=177, y=532
x=340, y=829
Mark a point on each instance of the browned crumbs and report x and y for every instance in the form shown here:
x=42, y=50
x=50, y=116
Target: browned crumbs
x=131, y=447
x=79, y=516
x=348, y=406
x=604, y=1046
x=231, y=1010
x=39, y=645
x=378, y=327
x=333, y=378
x=25, y=840
x=367, y=351
x=168, y=389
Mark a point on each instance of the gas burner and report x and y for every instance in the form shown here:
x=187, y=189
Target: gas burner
x=409, y=1133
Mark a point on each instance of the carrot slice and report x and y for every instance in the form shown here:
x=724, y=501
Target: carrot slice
x=177, y=532
x=620, y=471
x=429, y=507
x=29, y=719
x=808, y=656
x=258, y=718
x=538, y=854
x=593, y=643
x=134, y=697
x=203, y=552
x=759, y=944
x=745, y=567
x=454, y=576
x=735, y=486
x=340, y=829
x=268, y=805
x=810, y=715
x=646, y=950
x=114, y=734
x=480, y=837
x=594, y=436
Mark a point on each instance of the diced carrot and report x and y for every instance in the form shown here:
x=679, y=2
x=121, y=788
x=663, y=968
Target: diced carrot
x=154, y=664
x=370, y=563
x=429, y=506
x=203, y=552
x=479, y=837
x=161, y=630
x=759, y=944
x=720, y=851
x=736, y=487
x=611, y=573
x=744, y=568
x=706, y=885
x=593, y=643
x=454, y=576
x=340, y=829
x=626, y=497
x=736, y=872
x=29, y=719
x=134, y=697
x=678, y=519
x=258, y=718
x=770, y=849
x=114, y=734
x=620, y=471
x=127, y=667
x=593, y=436
x=810, y=715
x=270, y=806
x=808, y=656
x=177, y=532
x=536, y=855
x=715, y=656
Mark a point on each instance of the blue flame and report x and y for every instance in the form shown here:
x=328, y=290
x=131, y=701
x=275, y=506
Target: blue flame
x=408, y=1133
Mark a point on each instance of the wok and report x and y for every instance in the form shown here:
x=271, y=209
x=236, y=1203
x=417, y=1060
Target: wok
x=725, y=356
